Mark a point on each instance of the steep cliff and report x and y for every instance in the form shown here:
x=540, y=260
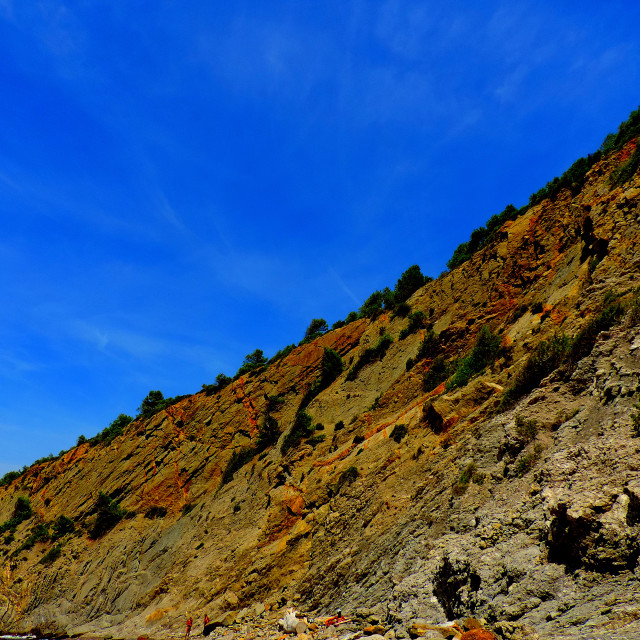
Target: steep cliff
x=409, y=500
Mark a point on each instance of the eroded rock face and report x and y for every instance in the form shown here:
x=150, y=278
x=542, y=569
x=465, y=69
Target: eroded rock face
x=458, y=514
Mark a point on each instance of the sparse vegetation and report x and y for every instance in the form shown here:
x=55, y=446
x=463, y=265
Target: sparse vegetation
x=398, y=432
x=51, y=556
x=21, y=511
x=573, y=178
x=117, y=427
x=238, y=459
x=268, y=433
x=369, y=355
x=339, y=425
x=527, y=461
x=417, y=321
x=155, y=511
x=316, y=328
x=436, y=374
x=252, y=362
x=301, y=428
x=347, y=477
x=526, y=429
x=560, y=349
x=635, y=421
x=330, y=368
x=221, y=382
x=108, y=514
x=485, y=350
x=39, y=533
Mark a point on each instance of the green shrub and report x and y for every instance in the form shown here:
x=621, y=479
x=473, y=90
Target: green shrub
x=398, y=432
x=347, y=477
x=108, y=514
x=402, y=310
x=21, y=511
x=526, y=429
x=372, y=306
x=330, y=368
x=437, y=373
x=39, y=533
x=316, y=328
x=635, y=422
x=283, y=353
x=116, y=428
x=316, y=439
x=546, y=357
x=238, y=459
x=485, y=350
x=252, y=362
x=369, y=355
x=417, y=321
x=301, y=428
x=221, y=382
x=527, y=461
x=51, y=556
x=408, y=283
x=155, y=511
x=582, y=343
x=274, y=403
x=9, y=477
x=464, y=479
x=429, y=346
x=268, y=433
x=339, y=425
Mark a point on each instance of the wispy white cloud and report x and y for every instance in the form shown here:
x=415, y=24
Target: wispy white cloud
x=344, y=287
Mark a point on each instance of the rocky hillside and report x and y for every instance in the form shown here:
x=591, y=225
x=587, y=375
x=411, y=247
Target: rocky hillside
x=483, y=461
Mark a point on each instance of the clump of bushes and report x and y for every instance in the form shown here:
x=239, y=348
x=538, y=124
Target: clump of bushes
x=546, y=357
x=347, y=477
x=436, y=374
x=252, y=362
x=301, y=428
x=116, y=428
x=573, y=178
x=527, y=429
x=155, y=511
x=22, y=511
x=9, y=477
x=268, y=433
x=339, y=425
x=108, y=514
x=369, y=355
x=561, y=349
x=485, y=350
x=398, y=432
x=417, y=321
x=464, y=479
x=51, y=556
x=429, y=345
x=238, y=459
x=39, y=533
x=331, y=367
x=221, y=382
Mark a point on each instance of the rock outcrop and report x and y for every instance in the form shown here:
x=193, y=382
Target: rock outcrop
x=407, y=503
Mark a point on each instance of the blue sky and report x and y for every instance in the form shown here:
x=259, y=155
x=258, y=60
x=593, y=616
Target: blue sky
x=184, y=182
